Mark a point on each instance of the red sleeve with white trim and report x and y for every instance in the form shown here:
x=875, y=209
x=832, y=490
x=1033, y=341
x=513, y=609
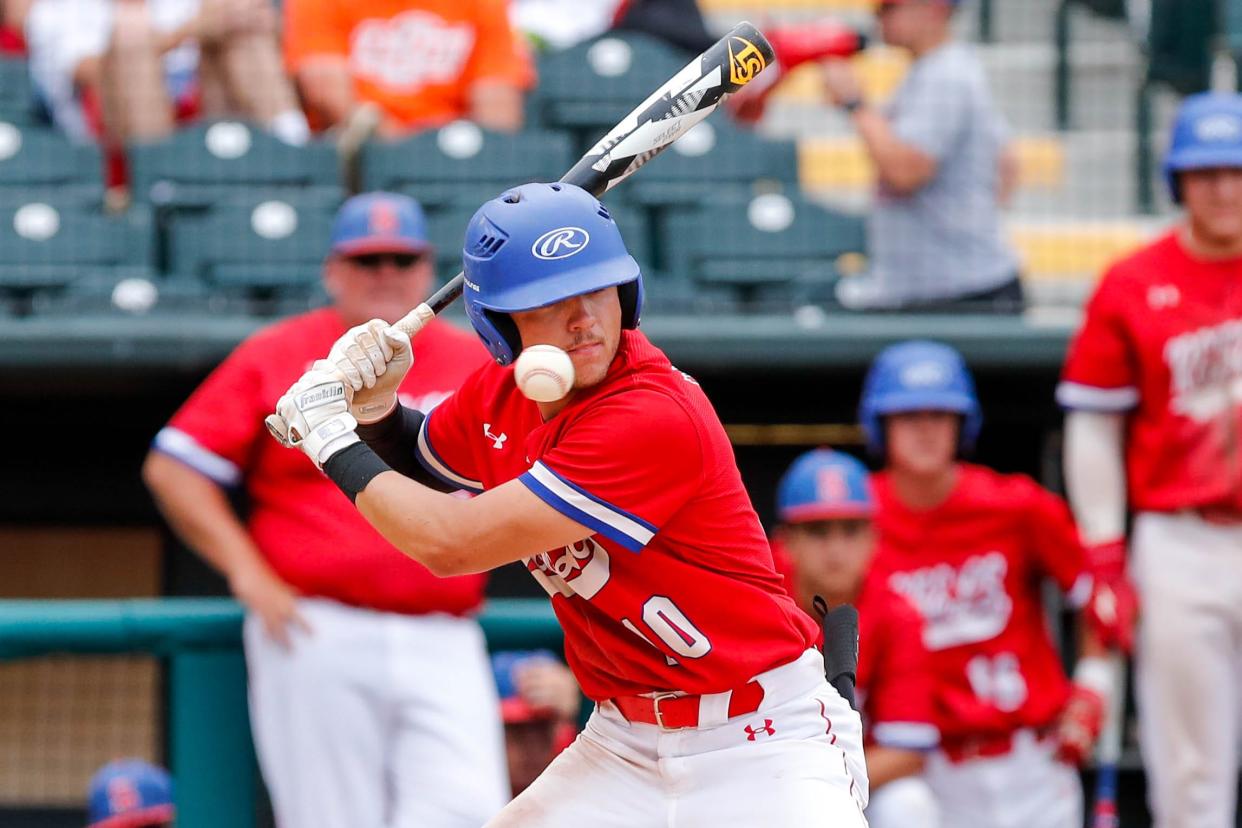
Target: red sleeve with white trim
x=1054, y=541
x=624, y=468
x=215, y=430
x=443, y=448
x=1100, y=371
x=900, y=701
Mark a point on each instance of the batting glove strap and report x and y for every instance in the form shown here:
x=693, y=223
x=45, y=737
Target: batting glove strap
x=353, y=467
x=316, y=416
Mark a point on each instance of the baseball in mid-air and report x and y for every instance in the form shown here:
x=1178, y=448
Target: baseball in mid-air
x=544, y=373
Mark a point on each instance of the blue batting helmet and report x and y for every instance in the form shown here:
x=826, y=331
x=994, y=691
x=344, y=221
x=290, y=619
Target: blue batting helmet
x=1207, y=133
x=534, y=246
x=824, y=485
x=918, y=376
x=130, y=793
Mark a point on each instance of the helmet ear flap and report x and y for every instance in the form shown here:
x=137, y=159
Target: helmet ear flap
x=630, y=295
x=508, y=330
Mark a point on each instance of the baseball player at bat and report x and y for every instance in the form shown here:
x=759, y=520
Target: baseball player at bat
x=971, y=548
x=1153, y=387
x=823, y=545
x=624, y=502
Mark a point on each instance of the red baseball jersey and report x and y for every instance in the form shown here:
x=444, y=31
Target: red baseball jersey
x=973, y=567
x=1162, y=339
x=894, y=686
x=676, y=590
x=308, y=531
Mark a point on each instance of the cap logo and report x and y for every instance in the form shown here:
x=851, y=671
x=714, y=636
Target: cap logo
x=123, y=796
x=831, y=485
x=383, y=219
x=560, y=243
x=924, y=375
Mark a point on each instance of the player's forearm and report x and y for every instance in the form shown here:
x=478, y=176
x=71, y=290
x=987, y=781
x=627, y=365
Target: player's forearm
x=1095, y=474
x=898, y=165
x=327, y=88
x=886, y=764
x=199, y=512
x=496, y=105
x=395, y=440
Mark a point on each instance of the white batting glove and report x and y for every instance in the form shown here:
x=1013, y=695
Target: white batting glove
x=314, y=415
x=373, y=359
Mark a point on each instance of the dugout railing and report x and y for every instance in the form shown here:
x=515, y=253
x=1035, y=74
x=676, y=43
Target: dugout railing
x=206, y=727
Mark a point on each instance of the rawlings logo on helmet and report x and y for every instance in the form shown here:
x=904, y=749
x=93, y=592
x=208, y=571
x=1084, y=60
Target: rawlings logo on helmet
x=560, y=243
x=1219, y=128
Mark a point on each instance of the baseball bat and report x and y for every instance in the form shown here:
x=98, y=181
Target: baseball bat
x=1104, y=807
x=668, y=113
x=840, y=625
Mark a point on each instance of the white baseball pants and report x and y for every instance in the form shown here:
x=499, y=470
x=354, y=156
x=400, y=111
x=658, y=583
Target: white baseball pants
x=1188, y=666
x=803, y=769
x=377, y=719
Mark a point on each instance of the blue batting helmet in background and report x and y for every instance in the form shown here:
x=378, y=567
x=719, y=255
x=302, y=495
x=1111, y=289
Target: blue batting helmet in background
x=918, y=375
x=1206, y=134
x=505, y=665
x=534, y=246
x=130, y=793
x=824, y=485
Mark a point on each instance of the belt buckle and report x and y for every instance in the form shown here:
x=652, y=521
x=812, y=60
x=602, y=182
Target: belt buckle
x=659, y=717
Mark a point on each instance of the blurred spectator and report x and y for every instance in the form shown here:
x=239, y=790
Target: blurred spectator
x=131, y=793
x=370, y=693
x=971, y=548
x=824, y=544
x=12, y=21
x=131, y=69
x=943, y=168
x=539, y=702
x=559, y=24
x=422, y=62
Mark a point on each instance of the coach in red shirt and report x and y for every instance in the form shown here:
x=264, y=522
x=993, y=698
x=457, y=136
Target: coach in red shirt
x=369, y=680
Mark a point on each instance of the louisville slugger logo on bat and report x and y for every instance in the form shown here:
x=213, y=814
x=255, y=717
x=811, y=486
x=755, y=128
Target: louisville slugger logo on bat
x=746, y=63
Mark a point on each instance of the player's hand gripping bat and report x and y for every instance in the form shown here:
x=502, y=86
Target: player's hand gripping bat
x=683, y=101
x=840, y=626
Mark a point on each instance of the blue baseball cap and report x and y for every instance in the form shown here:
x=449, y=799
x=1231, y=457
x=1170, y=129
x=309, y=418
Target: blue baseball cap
x=379, y=223
x=130, y=793
x=824, y=485
x=513, y=708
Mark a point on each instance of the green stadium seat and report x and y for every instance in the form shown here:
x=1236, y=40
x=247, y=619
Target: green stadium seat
x=49, y=247
x=776, y=250
x=16, y=93
x=588, y=88
x=268, y=252
x=462, y=165
x=205, y=165
x=713, y=162
x=129, y=295
x=40, y=164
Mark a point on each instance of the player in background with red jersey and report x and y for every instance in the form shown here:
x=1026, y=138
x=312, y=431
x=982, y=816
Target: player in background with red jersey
x=823, y=545
x=1153, y=387
x=371, y=694
x=624, y=501
x=970, y=548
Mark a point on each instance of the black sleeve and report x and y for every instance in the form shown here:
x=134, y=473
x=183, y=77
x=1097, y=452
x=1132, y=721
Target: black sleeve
x=395, y=440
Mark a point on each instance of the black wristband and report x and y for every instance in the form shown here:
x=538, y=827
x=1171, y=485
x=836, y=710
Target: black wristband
x=352, y=468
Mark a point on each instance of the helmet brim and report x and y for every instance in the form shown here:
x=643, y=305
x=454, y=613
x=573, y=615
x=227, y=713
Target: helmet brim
x=903, y=401
x=1204, y=158
x=564, y=285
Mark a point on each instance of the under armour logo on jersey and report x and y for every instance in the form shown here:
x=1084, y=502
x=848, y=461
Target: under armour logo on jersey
x=560, y=243
x=498, y=442
x=752, y=732
x=1163, y=296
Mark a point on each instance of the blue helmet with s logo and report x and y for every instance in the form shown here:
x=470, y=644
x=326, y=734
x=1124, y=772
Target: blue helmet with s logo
x=535, y=245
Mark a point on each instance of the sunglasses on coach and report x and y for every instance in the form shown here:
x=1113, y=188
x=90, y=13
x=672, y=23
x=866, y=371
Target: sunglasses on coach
x=374, y=261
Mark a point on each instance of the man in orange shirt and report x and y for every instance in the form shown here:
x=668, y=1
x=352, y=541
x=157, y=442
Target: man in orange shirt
x=422, y=62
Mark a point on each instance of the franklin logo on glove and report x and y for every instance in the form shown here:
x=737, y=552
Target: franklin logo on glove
x=321, y=396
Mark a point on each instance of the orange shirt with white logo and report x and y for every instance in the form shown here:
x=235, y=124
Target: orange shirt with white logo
x=417, y=59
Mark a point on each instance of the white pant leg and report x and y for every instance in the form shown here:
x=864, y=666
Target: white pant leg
x=448, y=763
x=1025, y=788
x=599, y=781
x=316, y=712
x=1186, y=667
x=907, y=802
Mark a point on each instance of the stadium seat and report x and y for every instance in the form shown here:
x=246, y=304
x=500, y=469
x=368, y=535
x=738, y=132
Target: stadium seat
x=270, y=251
x=775, y=250
x=462, y=165
x=49, y=247
x=39, y=164
x=129, y=295
x=232, y=161
x=715, y=162
x=588, y=88
x=16, y=93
